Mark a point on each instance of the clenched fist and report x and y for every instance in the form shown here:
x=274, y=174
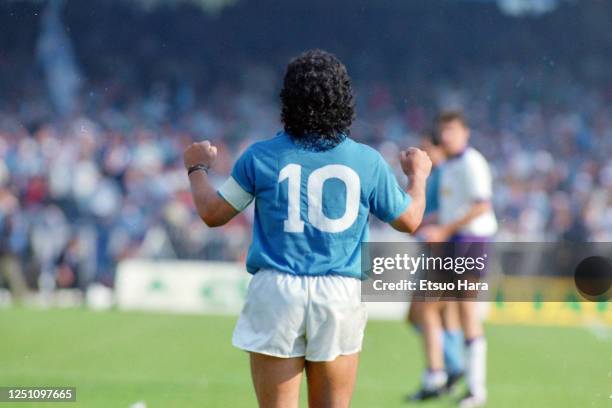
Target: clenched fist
x=200, y=153
x=415, y=162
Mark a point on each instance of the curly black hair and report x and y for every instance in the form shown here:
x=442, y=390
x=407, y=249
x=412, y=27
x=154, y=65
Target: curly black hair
x=317, y=98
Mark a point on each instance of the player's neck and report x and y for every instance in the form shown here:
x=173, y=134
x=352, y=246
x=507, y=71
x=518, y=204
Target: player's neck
x=318, y=143
x=459, y=153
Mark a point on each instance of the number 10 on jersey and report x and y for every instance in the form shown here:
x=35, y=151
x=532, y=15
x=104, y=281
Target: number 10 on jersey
x=314, y=190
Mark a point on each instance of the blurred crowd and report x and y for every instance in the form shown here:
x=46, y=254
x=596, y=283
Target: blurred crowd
x=77, y=195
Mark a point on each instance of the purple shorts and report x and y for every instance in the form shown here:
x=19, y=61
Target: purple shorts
x=464, y=245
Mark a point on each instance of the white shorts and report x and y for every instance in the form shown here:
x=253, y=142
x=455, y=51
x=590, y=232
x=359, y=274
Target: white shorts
x=316, y=317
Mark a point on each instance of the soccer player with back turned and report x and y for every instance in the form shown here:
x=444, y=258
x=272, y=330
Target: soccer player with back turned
x=314, y=188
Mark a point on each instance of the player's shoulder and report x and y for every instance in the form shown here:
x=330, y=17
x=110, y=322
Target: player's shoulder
x=471, y=160
x=473, y=155
x=271, y=144
x=281, y=144
x=363, y=152
x=474, y=159
x=470, y=157
x=266, y=150
x=475, y=164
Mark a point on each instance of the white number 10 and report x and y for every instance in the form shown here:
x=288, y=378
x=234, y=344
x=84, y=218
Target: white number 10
x=314, y=190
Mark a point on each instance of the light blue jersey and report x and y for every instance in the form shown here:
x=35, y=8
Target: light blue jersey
x=432, y=191
x=312, y=207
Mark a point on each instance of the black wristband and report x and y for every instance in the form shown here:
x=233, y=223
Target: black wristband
x=197, y=167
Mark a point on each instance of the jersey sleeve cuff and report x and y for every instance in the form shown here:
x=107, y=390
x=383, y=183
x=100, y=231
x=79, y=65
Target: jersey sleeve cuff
x=235, y=195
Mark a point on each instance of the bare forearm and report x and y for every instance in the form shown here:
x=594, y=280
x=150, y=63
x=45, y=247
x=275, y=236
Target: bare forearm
x=417, y=166
x=202, y=192
x=475, y=211
x=416, y=190
x=211, y=208
x=410, y=220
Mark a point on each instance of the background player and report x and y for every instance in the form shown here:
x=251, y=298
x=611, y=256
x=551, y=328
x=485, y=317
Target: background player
x=314, y=188
x=444, y=359
x=465, y=215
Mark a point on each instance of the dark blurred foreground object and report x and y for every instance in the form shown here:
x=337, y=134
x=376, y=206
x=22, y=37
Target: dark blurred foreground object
x=593, y=278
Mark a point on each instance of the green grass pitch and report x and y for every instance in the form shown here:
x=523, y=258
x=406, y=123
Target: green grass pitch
x=117, y=358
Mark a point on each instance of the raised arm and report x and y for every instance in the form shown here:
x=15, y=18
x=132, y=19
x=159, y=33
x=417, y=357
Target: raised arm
x=417, y=166
x=212, y=209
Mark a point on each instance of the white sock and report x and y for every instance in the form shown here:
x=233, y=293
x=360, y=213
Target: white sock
x=432, y=380
x=476, y=366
